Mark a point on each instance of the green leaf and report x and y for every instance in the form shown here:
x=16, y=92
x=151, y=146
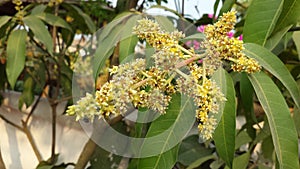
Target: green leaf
x=127, y=47
x=106, y=45
x=241, y=161
x=27, y=96
x=88, y=21
x=165, y=132
x=4, y=20
x=226, y=6
x=200, y=161
x=275, y=38
x=16, y=49
x=241, y=139
x=38, y=9
x=296, y=38
x=54, y=20
x=257, y=29
x=191, y=150
x=282, y=128
x=289, y=15
x=224, y=135
x=117, y=20
x=105, y=49
x=274, y=65
x=246, y=92
x=165, y=23
x=40, y=31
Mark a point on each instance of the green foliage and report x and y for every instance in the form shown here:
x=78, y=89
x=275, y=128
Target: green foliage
x=224, y=135
x=283, y=132
x=16, y=47
x=257, y=29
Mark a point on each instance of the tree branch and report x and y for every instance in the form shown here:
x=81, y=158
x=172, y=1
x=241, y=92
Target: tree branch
x=2, y=165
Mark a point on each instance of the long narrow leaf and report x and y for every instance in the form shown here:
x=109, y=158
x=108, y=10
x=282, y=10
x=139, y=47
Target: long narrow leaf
x=54, y=20
x=282, y=127
x=289, y=15
x=273, y=64
x=15, y=55
x=224, y=135
x=171, y=128
x=88, y=21
x=257, y=29
x=40, y=31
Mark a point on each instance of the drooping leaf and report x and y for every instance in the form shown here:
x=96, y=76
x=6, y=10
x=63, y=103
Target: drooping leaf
x=54, y=20
x=289, y=15
x=16, y=48
x=4, y=20
x=165, y=133
x=282, y=128
x=257, y=29
x=273, y=64
x=224, y=135
x=40, y=31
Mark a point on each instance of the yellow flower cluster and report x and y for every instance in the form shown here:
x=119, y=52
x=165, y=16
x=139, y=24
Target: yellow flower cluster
x=134, y=84
x=166, y=44
x=19, y=6
x=220, y=46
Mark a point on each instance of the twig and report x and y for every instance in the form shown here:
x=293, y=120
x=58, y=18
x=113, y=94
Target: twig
x=53, y=108
x=10, y=122
x=32, y=142
x=33, y=108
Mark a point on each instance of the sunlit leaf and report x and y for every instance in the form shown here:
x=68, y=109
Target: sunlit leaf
x=274, y=65
x=282, y=128
x=257, y=29
x=275, y=38
x=224, y=135
x=16, y=48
